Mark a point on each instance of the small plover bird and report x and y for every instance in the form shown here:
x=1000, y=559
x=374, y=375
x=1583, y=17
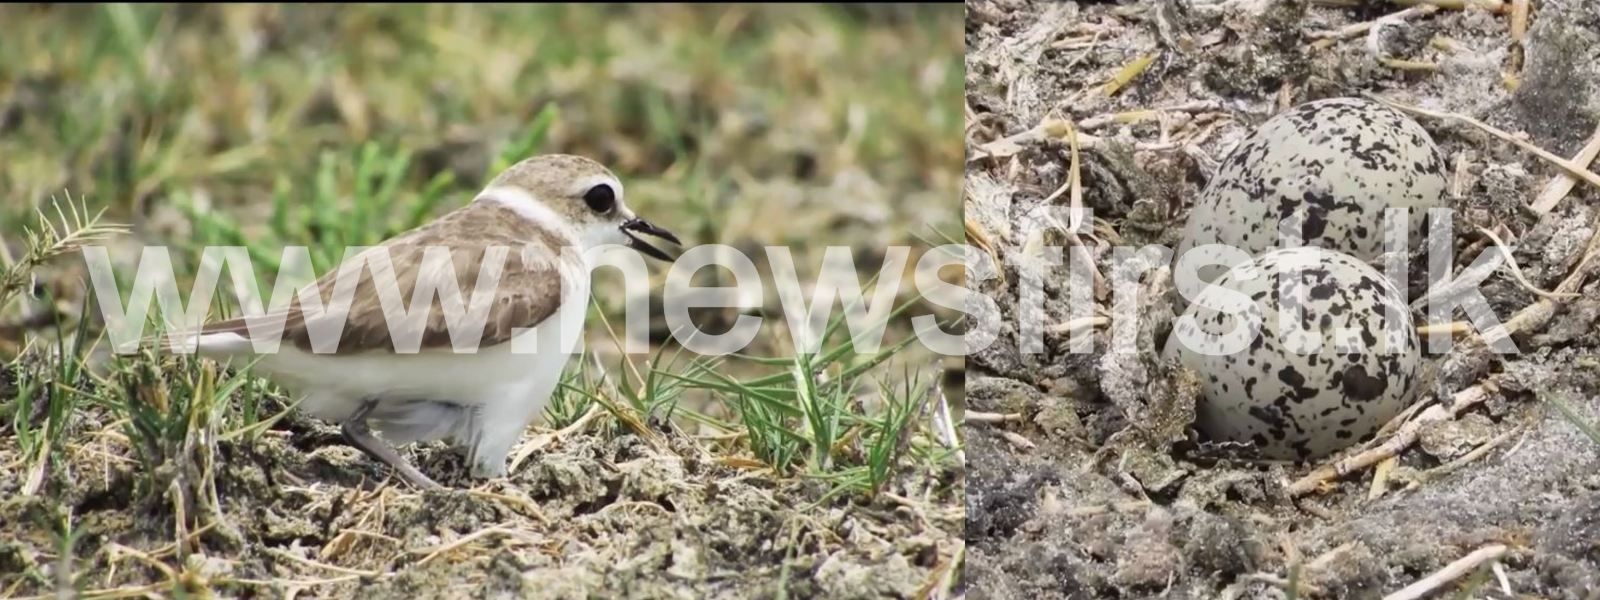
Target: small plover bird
x=480, y=364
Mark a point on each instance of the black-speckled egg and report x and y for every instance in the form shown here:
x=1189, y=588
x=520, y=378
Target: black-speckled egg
x=1307, y=382
x=1330, y=169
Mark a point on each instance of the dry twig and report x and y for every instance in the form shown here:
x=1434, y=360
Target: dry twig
x=1492, y=6
x=1074, y=186
x=311, y=563
x=1519, y=20
x=1575, y=169
x=1356, y=30
x=1562, y=183
x=1402, y=439
x=980, y=418
x=1474, y=455
x=1072, y=326
x=434, y=552
x=1109, y=507
x=1516, y=272
x=1017, y=440
x=1449, y=573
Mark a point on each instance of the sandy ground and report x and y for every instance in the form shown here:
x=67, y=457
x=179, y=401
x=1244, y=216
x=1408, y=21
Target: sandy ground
x=1088, y=483
x=297, y=512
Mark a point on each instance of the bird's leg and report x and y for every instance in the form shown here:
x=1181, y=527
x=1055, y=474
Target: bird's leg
x=356, y=431
x=489, y=440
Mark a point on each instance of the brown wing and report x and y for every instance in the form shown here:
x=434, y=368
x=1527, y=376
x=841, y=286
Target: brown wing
x=526, y=293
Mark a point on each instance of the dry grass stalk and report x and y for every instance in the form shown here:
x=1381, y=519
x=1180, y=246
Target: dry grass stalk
x=1128, y=73
x=1404, y=438
x=1453, y=328
x=1356, y=30
x=1074, y=188
x=1100, y=509
x=1017, y=440
x=974, y=417
x=1072, y=326
x=980, y=238
x=1451, y=572
x=1519, y=21
x=1473, y=455
x=1571, y=167
x=435, y=552
x=1516, y=272
x=1492, y=6
x=1134, y=116
x=1380, y=478
x=311, y=563
x=1560, y=185
x=1445, y=44
x=1401, y=64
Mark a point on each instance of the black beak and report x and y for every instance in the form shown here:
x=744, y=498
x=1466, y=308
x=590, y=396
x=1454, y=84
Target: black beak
x=642, y=226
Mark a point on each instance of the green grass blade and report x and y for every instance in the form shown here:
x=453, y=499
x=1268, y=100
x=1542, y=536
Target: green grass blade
x=1572, y=416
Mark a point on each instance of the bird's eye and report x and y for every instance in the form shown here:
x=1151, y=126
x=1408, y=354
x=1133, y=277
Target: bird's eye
x=600, y=198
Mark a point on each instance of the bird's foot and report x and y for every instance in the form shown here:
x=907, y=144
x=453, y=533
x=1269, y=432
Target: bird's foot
x=359, y=435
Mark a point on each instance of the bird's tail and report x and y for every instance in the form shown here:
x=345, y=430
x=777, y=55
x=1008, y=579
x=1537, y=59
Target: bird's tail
x=220, y=339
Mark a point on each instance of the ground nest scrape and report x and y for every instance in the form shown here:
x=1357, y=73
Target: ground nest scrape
x=592, y=511
x=1085, y=481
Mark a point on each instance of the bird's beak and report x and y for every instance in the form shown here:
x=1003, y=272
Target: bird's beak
x=642, y=226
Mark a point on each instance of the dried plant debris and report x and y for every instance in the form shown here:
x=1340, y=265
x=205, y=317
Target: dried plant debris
x=1092, y=480
x=586, y=514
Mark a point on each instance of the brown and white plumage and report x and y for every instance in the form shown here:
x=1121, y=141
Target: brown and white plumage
x=437, y=380
x=525, y=293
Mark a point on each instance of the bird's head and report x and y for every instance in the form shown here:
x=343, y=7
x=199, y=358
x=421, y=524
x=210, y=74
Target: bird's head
x=579, y=193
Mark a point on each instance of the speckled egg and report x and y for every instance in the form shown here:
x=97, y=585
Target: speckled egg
x=1329, y=169
x=1300, y=384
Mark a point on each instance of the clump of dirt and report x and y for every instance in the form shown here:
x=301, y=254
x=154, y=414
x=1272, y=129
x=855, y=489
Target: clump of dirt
x=1086, y=478
x=604, y=511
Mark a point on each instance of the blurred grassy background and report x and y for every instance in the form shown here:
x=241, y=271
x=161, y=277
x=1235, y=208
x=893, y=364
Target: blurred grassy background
x=266, y=125
x=747, y=125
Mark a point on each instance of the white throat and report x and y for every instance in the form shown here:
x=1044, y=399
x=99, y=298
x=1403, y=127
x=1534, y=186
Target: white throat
x=595, y=236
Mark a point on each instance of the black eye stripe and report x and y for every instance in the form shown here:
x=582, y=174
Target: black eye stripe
x=600, y=198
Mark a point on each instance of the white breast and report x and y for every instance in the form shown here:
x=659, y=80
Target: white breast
x=516, y=377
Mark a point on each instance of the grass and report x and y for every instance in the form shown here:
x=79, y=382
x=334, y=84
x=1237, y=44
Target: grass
x=1476, y=583
x=1572, y=416
x=266, y=127
x=52, y=237
x=810, y=412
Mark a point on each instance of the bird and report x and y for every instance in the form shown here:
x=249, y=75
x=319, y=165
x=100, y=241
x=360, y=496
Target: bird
x=428, y=377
